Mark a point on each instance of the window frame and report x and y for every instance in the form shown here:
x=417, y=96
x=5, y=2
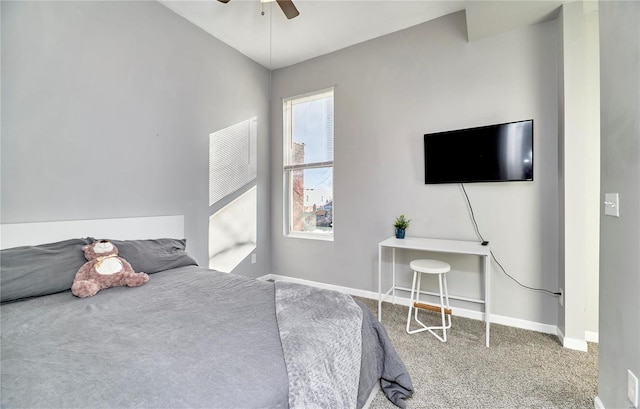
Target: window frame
x=288, y=168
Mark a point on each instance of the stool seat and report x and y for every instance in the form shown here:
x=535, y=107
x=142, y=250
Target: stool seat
x=430, y=266
x=440, y=268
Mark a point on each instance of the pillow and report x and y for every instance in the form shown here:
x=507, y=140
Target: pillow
x=32, y=271
x=154, y=255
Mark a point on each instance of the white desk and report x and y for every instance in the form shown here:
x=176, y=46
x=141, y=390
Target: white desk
x=439, y=246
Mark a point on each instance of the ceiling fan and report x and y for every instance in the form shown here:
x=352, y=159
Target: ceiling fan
x=287, y=6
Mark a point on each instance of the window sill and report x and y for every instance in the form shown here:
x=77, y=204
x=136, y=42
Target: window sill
x=310, y=236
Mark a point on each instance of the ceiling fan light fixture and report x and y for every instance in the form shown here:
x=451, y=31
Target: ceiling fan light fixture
x=287, y=6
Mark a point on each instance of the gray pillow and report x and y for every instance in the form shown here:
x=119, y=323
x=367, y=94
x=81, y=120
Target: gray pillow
x=32, y=271
x=154, y=255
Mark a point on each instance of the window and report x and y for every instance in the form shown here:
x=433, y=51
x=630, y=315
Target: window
x=308, y=165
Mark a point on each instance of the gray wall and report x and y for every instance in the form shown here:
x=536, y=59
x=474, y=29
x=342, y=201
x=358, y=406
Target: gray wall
x=389, y=92
x=107, y=109
x=619, y=348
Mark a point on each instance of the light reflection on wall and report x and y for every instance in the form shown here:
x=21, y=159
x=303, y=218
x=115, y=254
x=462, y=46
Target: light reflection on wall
x=233, y=158
x=233, y=232
x=232, y=168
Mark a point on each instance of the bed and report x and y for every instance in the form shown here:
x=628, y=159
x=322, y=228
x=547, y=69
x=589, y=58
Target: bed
x=189, y=337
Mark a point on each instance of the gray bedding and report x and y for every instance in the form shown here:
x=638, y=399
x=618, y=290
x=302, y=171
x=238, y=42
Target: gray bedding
x=190, y=337
x=318, y=323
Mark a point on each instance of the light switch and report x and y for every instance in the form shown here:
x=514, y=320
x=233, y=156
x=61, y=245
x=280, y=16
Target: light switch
x=611, y=205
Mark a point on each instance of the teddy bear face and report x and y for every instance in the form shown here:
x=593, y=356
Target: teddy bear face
x=100, y=248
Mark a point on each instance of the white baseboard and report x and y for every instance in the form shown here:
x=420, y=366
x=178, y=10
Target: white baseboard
x=351, y=291
x=462, y=312
x=572, y=343
x=591, y=336
x=597, y=403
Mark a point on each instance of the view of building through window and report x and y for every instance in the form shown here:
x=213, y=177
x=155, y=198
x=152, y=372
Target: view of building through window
x=309, y=162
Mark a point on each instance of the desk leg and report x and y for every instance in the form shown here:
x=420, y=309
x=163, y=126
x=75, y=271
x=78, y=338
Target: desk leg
x=379, y=283
x=487, y=297
x=393, y=274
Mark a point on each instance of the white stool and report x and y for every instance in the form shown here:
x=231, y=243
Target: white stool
x=430, y=267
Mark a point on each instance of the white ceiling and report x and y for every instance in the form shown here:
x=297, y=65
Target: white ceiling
x=324, y=26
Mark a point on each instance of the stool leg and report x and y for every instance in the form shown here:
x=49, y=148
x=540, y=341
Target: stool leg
x=415, y=310
x=413, y=287
x=446, y=296
x=444, y=327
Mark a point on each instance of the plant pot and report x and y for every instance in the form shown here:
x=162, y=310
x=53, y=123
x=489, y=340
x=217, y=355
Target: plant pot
x=400, y=233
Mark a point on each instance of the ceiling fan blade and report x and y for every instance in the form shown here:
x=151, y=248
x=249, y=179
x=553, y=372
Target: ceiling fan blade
x=288, y=8
x=223, y=1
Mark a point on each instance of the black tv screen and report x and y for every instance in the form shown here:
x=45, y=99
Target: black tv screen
x=494, y=153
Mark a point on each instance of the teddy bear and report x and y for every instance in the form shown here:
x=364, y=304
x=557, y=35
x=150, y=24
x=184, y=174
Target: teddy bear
x=104, y=269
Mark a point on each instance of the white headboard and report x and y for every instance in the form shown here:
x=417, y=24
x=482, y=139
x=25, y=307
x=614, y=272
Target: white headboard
x=27, y=234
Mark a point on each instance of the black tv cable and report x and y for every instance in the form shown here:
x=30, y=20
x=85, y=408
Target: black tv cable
x=475, y=226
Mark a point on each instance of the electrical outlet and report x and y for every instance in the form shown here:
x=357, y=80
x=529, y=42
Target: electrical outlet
x=632, y=388
x=253, y=258
x=561, y=297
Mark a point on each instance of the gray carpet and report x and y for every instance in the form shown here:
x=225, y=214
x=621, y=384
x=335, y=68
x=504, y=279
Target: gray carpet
x=521, y=369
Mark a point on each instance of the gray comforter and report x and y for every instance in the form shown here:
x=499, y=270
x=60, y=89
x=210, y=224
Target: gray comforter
x=317, y=323
x=190, y=337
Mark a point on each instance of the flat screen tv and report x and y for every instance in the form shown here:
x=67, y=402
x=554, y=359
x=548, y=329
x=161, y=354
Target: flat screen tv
x=494, y=153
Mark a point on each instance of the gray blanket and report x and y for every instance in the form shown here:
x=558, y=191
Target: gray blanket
x=394, y=379
x=190, y=337
x=321, y=334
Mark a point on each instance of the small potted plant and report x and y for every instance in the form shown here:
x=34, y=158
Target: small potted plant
x=401, y=224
